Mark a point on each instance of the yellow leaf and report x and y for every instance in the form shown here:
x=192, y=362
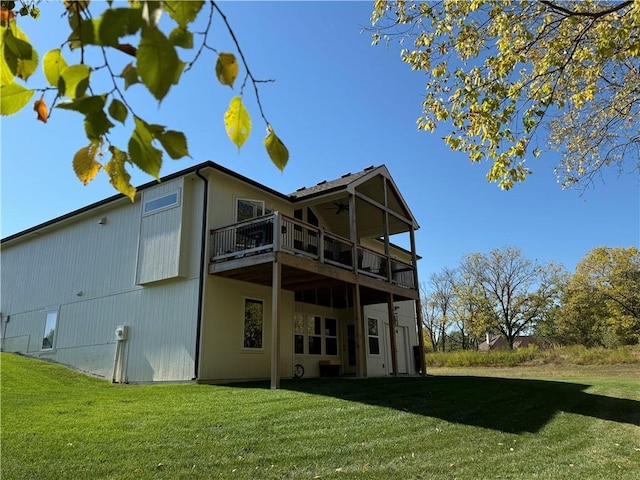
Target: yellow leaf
x=85, y=164
x=237, y=121
x=227, y=68
x=41, y=107
x=276, y=149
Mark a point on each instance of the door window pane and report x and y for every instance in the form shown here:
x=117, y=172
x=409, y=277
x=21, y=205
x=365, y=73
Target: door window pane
x=374, y=339
x=331, y=346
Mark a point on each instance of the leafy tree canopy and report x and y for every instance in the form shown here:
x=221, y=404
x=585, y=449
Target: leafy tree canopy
x=156, y=61
x=601, y=304
x=499, y=71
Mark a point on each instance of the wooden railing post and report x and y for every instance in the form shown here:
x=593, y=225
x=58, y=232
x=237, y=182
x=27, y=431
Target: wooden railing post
x=276, y=231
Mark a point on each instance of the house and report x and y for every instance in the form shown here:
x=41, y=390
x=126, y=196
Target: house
x=211, y=276
x=499, y=342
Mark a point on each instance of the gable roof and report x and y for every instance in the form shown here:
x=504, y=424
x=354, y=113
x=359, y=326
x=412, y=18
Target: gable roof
x=349, y=182
x=345, y=182
x=330, y=186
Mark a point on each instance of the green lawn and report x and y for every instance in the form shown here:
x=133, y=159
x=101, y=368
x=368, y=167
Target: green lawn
x=583, y=423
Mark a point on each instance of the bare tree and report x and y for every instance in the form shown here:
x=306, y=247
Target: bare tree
x=430, y=317
x=515, y=291
x=442, y=293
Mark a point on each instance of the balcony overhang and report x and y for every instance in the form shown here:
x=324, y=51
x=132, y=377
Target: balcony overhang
x=312, y=283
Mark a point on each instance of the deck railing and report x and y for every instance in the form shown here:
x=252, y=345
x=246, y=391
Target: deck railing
x=275, y=232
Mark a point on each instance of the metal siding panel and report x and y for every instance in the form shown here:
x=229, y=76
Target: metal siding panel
x=81, y=255
x=160, y=237
x=52, y=268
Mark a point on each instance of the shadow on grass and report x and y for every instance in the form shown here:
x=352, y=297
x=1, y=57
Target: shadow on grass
x=508, y=405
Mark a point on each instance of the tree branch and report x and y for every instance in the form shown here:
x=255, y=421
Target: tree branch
x=573, y=13
x=244, y=62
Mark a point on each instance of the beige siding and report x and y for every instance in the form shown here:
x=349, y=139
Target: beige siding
x=225, y=191
x=311, y=363
x=223, y=355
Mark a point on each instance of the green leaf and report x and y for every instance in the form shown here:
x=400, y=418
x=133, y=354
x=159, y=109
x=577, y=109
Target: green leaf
x=277, y=151
x=118, y=175
x=174, y=143
x=183, y=12
x=158, y=62
x=227, y=68
x=6, y=75
x=118, y=22
x=96, y=125
x=181, y=37
x=237, y=122
x=74, y=81
x=85, y=164
x=118, y=111
x=178, y=72
x=13, y=98
x=20, y=57
x=52, y=64
x=85, y=105
x=130, y=75
x=141, y=152
x=74, y=16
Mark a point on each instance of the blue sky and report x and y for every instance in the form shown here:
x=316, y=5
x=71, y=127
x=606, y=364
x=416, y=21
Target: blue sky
x=340, y=105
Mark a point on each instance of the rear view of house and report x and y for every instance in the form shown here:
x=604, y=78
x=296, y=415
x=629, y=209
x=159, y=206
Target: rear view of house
x=213, y=277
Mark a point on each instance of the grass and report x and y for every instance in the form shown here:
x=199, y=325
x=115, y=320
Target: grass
x=570, y=355
x=584, y=424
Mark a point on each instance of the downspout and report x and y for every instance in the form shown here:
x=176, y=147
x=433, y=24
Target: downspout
x=203, y=256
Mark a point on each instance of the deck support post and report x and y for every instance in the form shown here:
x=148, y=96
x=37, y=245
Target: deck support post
x=275, y=320
x=422, y=364
x=414, y=260
x=361, y=349
x=392, y=334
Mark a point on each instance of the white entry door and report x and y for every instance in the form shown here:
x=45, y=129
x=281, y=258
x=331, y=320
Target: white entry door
x=401, y=342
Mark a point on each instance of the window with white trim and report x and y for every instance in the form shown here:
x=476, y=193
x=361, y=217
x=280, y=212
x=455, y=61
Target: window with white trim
x=247, y=209
x=161, y=203
x=253, y=323
x=49, y=330
x=314, y=335
x=374, y=337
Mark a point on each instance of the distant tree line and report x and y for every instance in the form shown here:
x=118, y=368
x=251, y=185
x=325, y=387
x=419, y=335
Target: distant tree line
x=504, y=293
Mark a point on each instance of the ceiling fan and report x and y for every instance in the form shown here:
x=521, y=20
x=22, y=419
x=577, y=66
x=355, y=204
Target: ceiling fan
x=339, y=207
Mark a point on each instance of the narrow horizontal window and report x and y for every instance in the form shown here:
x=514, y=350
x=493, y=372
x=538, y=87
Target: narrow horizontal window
x=161, y=203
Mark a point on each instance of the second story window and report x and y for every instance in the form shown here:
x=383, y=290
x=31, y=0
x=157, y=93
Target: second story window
x=247, y=209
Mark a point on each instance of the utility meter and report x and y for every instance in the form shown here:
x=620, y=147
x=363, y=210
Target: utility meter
x=121, y=332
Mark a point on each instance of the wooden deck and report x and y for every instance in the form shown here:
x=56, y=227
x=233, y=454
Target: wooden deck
x=312, y=260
